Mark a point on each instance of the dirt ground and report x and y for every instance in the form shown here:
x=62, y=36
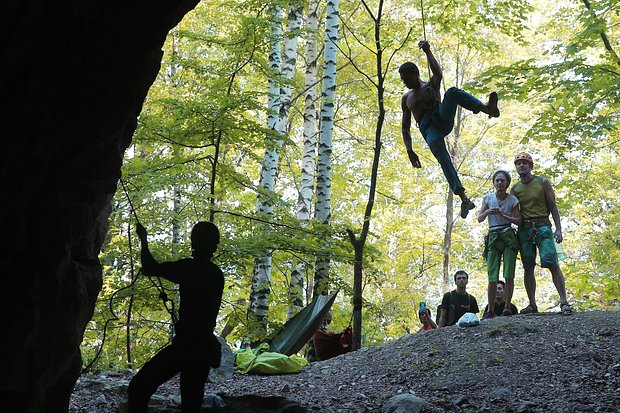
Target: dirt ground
x=534, y=363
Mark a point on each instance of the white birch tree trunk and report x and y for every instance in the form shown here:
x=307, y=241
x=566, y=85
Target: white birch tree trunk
x=280, y=88
x=323, y=183
x=289, y=59
x=308, y=166
x=259, y=294
x=176, y=225
x=176, y=191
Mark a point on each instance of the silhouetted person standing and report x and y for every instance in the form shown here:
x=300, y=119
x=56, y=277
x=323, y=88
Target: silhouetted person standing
x=194, y=349
x=435, y=119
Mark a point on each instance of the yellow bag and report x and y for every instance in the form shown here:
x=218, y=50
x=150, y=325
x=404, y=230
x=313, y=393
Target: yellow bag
x=261, y=361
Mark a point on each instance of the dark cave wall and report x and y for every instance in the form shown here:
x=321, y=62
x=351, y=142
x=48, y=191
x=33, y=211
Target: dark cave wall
x=73, y=76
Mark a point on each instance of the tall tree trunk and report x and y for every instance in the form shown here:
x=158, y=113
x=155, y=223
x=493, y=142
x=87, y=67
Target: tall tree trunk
x=360, y=242
x=323, y=181
x=176, y=206
x=217, y=139
x=289, y=61
x=454, y=154
x=259, y=294
x=446, y=246
x=450, y=219
x=306, y=190
x=218, y=151
x=128, y=338
x=176, y=191
x=280, y=87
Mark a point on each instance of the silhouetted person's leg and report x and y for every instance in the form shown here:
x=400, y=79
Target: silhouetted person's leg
x=161, y=368
x=193, y=380
x=195, y=367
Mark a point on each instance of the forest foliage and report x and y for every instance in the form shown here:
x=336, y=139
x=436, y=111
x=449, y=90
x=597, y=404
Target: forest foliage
x=197, y=154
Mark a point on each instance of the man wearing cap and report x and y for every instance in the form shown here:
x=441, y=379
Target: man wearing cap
x=537, y=199
x=435, y=119
x=194, y=348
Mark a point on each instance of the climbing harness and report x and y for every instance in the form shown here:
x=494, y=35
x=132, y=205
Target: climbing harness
x=535, y=230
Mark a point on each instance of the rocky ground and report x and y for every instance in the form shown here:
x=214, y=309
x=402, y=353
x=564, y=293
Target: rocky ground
x=533, y=363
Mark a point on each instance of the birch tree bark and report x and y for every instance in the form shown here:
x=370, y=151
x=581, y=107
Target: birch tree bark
x=306, y=191
x=176, y=191
x=323, y=182
x=259, y=293
x=289, y=60
x=282, y=69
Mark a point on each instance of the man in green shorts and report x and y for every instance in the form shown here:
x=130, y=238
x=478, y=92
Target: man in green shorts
x=537, y=200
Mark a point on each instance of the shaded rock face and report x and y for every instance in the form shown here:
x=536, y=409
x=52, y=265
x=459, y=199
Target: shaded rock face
x=73, y=78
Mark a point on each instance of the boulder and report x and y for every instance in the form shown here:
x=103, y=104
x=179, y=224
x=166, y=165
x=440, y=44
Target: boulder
x=227, y=364
x=404, y=403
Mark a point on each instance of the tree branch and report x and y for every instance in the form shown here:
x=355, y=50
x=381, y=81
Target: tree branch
x=606, y=41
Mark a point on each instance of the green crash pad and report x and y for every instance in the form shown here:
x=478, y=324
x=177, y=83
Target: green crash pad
x=278, y=355
x=262, y=361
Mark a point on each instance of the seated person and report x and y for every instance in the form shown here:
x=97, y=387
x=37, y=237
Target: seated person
x=427, y=320
x=457, y=302
x=500, y=302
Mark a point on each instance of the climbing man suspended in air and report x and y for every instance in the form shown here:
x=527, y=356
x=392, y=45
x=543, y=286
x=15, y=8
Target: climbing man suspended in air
x=435, y=118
